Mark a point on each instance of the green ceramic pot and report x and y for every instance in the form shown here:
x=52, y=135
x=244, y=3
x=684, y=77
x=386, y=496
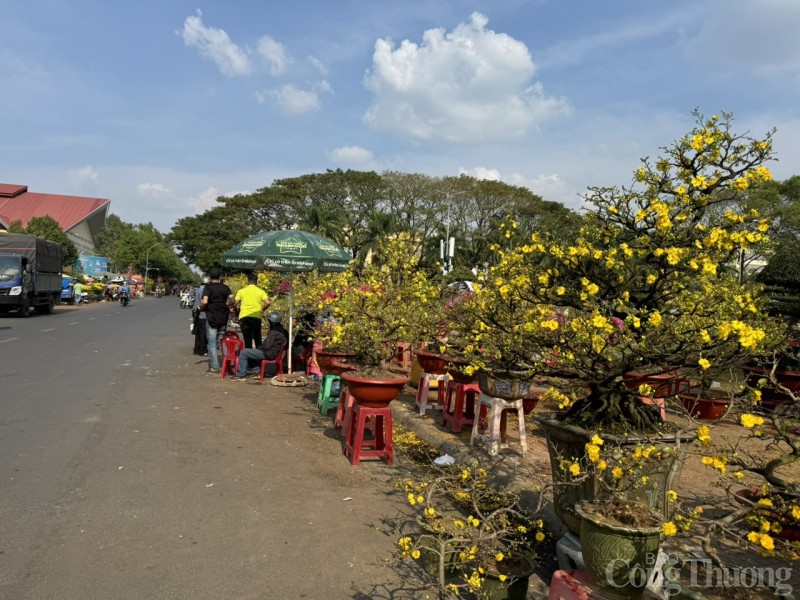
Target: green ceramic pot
x=619, y=558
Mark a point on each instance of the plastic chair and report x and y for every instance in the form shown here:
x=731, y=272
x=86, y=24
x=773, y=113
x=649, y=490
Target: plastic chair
x=231, y=345
x=278, y=361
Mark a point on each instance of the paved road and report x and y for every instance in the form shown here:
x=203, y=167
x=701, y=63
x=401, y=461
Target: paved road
x=126, y=472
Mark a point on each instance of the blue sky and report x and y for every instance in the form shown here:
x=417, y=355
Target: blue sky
x=162, y=106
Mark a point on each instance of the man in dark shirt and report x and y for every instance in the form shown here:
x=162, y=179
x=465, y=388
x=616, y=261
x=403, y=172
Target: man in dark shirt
x=216, y=303
x=270, y=348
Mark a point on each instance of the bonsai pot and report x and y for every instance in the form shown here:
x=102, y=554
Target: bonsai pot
x=569, y=442
x=373, y=392
x=770, y=397
x=455, y=368
x=434, y=364
x=510, y=385
x=664, y=384
x=705, y=408
x=750, y=496
x=517, y=570
x=615, y=554
x=325, y=360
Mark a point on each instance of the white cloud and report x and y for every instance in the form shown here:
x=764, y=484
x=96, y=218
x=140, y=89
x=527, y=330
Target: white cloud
x=237, y=193
x=86, y=175
x=471, y=84
x=295, y=101
x=205, y=200
x=481, y=173
x=352, y=155
x=275, y=54
x=215, y=45
x=153, y=190
x=317, y=64
x=756, y=35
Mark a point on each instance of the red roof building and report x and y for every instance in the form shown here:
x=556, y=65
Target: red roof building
x=81, y=218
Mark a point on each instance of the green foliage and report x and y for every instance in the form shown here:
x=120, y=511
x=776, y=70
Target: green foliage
x=357, y=209
x=48, y=228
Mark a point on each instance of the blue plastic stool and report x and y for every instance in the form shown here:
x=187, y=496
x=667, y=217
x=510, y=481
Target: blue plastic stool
x=326, y=399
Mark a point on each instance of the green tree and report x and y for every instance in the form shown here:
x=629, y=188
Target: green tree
x=48, y=228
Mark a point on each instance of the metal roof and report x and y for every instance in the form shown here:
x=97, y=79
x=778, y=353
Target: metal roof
x=17, y=203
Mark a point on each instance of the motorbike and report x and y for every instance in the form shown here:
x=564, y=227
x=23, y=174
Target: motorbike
x=124, y=298
x=187, y=299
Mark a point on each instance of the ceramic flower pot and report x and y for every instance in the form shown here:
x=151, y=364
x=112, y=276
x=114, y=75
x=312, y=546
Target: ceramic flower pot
x=569, y=442
x=513, y=585
x=373, y=392
x=705, y=408
x=325, y=360
x=508, y=386
x=790, y=528
x=455, y=368
x=618, y=558
x=430, y=362
x=770, y=398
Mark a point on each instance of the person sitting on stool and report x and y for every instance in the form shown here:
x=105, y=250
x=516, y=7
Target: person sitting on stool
x=269, y=350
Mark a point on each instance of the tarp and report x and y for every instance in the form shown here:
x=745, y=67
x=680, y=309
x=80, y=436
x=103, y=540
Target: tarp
x=43, y=255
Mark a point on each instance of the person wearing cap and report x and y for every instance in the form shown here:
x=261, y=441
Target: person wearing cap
x=199, y=330
x=272, y=345
x=216, y=303
x=251, y=301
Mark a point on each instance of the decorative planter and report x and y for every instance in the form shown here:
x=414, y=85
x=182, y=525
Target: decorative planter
x=789, y=530
x=455, y=368
x=619, y=558
x=569, y=442
x=326, y=359
x=505, y=385
x=705, y=408
x=517, y=571
x=665, y=384
x=434, y=364
x=373, y=392
x=770, y=397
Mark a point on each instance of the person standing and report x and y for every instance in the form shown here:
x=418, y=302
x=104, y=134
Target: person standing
x=251, y=301
x=276, y=340
x=199, y=317
x=77, y=292
x=216, y=303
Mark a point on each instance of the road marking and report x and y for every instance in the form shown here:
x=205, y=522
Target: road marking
x=74, y=323
x=8, y=340
x=93, y=319
x=46, y=330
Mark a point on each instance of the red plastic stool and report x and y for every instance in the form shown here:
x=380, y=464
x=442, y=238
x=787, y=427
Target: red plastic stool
x=424, y=388
x=461, y=410
x=356, y=447
x=571, y=585
x=344, y=408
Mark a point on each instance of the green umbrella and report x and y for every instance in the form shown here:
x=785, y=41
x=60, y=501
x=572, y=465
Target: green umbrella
x=288, y=250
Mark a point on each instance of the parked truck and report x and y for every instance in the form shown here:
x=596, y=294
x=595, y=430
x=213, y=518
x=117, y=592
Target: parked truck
x=30, y=273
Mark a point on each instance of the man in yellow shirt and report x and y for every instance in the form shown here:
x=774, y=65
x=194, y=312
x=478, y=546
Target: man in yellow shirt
x=251, y=301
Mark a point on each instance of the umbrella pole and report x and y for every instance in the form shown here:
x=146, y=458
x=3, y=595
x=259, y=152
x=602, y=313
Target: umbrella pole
x=291, y=301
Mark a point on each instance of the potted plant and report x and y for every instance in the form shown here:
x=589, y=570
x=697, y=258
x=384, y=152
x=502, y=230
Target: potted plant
x=471, y=536
x=376, y=306
x=644, y=285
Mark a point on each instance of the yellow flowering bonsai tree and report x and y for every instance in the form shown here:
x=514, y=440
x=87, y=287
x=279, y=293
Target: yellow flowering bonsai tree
x=469, y=533
x=374, y=306
x=644, y=286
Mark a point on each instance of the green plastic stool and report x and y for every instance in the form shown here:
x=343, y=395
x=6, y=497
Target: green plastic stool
x=325, y=401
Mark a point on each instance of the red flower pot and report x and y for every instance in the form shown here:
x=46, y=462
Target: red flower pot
x=434, y=364
x=705, y=409
x=770, y=398
x=373, y=392
x=789, y=530
x=455, y=368
x=664, y=384
x=326, y=359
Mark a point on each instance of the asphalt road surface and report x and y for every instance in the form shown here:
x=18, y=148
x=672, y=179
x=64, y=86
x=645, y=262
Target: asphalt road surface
x=127, y=472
